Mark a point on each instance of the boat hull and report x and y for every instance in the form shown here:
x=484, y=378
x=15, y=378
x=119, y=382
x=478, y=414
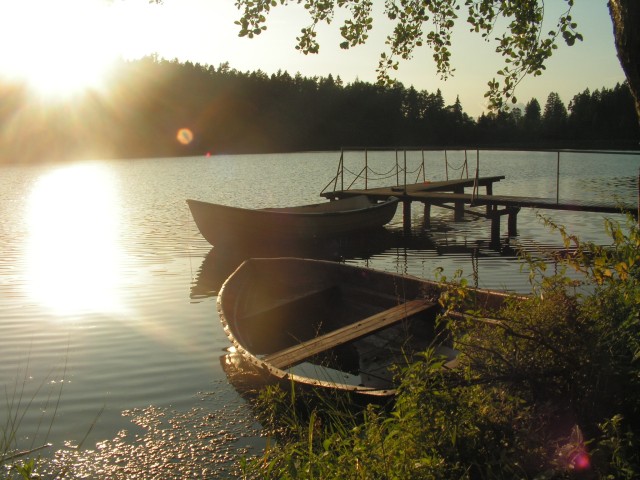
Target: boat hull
x=221, y=224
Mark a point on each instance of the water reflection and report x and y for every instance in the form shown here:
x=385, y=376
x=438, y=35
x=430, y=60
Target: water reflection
x=242, y=375
x=378, y=249
x=73, y=253
x=222, y=260
x=205, y=441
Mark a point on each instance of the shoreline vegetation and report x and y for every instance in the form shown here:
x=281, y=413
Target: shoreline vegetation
x=549, y=390
x=159, y=108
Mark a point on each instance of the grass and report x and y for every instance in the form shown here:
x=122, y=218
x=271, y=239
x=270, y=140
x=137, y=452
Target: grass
x=19, y=461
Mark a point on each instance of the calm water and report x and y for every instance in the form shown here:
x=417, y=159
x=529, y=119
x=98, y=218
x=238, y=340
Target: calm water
x=107, y=290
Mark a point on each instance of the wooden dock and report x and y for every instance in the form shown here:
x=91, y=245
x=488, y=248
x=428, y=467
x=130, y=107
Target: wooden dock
x=451, y=194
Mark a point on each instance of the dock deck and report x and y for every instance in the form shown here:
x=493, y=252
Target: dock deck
x=437, y=198
x=407, y=192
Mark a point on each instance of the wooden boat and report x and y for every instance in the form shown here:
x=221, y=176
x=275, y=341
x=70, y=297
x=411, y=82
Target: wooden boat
x=324, y=324
x=225, y=224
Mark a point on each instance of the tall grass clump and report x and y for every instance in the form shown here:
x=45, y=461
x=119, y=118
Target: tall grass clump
x=15, y=463
x=19, y=459
x=546, y=388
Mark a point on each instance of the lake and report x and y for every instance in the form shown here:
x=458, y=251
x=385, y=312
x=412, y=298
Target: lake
x=109, y=335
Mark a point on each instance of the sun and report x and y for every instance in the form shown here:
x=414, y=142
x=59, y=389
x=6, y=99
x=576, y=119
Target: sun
x=59, y=48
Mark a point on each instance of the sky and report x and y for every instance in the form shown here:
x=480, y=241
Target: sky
x=62, y=46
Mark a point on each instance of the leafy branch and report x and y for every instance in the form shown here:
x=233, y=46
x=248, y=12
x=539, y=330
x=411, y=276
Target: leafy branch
x=523, y=45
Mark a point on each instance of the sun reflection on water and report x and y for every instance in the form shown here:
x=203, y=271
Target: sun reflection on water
x=74, y=255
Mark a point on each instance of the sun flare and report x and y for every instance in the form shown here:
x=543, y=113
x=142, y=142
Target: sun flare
x=59, y=48
x=74, y=253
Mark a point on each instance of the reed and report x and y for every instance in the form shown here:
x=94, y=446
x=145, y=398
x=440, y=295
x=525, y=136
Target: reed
x=16, y=458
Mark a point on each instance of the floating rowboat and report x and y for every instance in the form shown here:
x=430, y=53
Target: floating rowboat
x=324, y=324
x=225, y=224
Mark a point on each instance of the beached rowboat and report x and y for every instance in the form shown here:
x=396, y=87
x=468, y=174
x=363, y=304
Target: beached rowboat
x=324, y=324
x=225, y=224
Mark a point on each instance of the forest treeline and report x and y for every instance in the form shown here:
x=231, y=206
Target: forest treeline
x=149, y=100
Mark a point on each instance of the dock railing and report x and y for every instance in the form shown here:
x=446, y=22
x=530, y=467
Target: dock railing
x=398, y=169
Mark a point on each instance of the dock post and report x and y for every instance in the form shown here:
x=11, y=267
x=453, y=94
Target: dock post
x=488, y=191
x=458, y=210
x=513, y=221
x=427, y=215
x=446, y=165
x=405, y=171
x=558, y=179
x=397, y=170
x=342, y=171
x=406, y=215
x=366, y=169
x=495, y=229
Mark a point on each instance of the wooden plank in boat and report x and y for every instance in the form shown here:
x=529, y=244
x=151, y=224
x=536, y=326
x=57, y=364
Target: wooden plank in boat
x=298, y=353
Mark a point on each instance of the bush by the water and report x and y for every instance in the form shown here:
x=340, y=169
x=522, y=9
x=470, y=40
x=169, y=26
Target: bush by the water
x=548, y=387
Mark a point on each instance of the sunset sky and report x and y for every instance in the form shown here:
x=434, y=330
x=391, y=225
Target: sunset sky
x=65, y=45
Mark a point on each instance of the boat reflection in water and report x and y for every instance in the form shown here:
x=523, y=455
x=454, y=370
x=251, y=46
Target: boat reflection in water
x=222, y=260
x=246, y=380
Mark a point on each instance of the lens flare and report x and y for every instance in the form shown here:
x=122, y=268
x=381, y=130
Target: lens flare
x=581, y=461
x=185, y=136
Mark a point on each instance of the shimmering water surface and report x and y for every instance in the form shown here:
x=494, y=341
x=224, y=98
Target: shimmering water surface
x=107, y=290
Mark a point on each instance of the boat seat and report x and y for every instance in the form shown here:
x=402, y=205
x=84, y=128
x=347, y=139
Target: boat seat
x=301, y=351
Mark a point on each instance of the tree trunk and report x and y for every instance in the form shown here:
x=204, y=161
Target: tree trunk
x=625, y=15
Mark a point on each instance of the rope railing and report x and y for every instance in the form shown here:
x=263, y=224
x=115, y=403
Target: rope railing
x=370, y=174
x=420, y=169
x=391, y=170
x=384, y=177
x=416, y=170
x=357, y=177
x=354, y=173
x=463, y=166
